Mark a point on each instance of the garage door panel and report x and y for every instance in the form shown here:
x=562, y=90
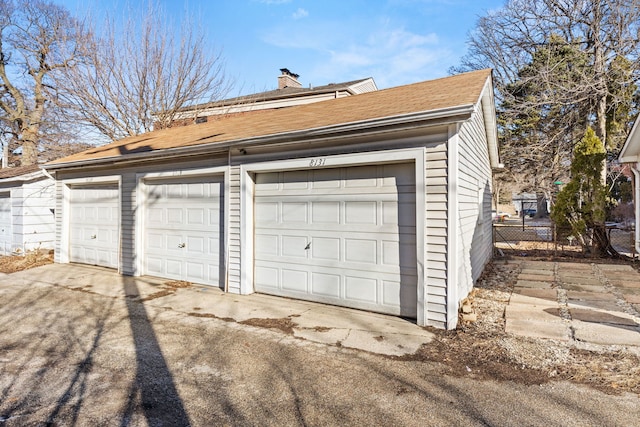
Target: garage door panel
x=184, y=217
x=94, y=224
x=344, y=236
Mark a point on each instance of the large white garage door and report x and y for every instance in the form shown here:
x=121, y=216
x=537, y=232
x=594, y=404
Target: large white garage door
x=6, y=221
x=94, y=224
x=342, y=236
x=184, y=228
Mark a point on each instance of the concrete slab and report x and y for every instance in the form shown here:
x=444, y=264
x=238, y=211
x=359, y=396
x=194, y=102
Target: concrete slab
x=536, y=277
x=597, y=316
x=545, y=294
x=533, y=284
x=616, y=267
x=535, y=329
x=532, y=301
x=376, y=333
x=606, y=334
x=594, y=304
x=538, y=265
x=542, y=272
x=583, y=288
x=625, y=283
x=631, y=298
x=579, y=280
x=580, y=266
x=590, y=296
x=525, y=312
x=622, y=275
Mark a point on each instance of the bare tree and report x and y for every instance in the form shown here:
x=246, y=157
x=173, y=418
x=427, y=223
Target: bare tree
x=37, y=40
x=141, y=75
x=560, y=66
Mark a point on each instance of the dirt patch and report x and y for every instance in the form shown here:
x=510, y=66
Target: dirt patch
x=483, y=350
x=284, y=324
x=32, y=259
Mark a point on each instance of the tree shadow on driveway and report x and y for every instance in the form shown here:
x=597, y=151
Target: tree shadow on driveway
x=153, y=389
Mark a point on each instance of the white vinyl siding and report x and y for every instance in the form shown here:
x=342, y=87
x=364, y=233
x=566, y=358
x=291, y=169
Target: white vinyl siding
x=33, y=215
x=6, y=223
x=474, y=201
x=344, y=236
x=436, y=215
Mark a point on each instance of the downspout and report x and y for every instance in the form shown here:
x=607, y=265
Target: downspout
x=636, y=173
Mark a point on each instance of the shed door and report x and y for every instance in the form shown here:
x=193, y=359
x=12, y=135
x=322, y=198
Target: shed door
x=6, y=221
x=341, y=236
x=184, y=228
x=93, y=224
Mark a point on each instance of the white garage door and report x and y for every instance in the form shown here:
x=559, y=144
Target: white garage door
x=342, y=236
x=183, y=229
x=94, y=225
x=5, y=223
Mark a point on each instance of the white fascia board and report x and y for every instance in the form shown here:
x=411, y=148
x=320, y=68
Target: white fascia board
x=631, y=149
x=23, y=178
x=487, y=102
x=367, y=127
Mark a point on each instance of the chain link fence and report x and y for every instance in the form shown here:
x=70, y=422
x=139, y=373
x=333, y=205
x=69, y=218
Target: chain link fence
x=517, y=238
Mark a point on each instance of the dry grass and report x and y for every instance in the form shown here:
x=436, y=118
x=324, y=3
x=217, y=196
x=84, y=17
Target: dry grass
x=13, y=263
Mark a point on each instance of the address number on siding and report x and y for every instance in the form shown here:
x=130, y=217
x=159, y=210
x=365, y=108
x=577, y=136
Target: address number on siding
x=317, y=162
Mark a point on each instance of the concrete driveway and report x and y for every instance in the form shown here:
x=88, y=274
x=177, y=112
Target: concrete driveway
x=84, y=346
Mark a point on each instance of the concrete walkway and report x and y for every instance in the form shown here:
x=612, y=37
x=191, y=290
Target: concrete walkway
x=591, y=303
x=375, y=333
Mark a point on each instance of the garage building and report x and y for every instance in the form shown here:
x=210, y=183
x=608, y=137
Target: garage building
x=379, y=201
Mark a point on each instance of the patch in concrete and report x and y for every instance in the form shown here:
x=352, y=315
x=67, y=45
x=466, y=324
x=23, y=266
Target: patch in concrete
x=329, y=336
x=390, y=344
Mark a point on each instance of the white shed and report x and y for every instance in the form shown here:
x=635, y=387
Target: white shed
x=380, y=201
x=27, y=219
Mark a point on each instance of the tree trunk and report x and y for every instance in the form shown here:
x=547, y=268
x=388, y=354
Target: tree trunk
x=29, y=147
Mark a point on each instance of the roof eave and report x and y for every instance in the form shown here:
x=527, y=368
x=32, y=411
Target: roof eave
x=630, y=152
x=371, y=126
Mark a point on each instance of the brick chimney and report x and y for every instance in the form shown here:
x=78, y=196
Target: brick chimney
x=288, y=79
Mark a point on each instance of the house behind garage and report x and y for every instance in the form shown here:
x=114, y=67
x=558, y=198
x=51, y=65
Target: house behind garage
x=379, y=201
x=26, y=210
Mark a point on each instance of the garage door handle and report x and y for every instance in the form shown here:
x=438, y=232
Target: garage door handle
x=182, y=245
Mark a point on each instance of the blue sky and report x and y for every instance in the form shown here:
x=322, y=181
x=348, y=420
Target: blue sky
x=324, y=41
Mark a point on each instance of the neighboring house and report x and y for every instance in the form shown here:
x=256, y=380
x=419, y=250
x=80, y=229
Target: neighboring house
x=380, y=201
x=630, y=154
x=27, y=202
x=289, y=93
